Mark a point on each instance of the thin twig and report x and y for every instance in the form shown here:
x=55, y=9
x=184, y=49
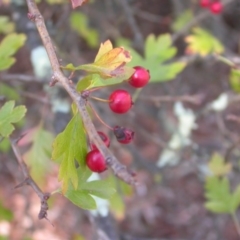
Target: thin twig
x=21, y=78
x=147, y=15
x=29, y=181
x=138, y=37
x=194, y=99
x=118, y=169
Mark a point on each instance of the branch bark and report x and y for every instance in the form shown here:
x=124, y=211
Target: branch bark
x=119, y=170
x=29, y=181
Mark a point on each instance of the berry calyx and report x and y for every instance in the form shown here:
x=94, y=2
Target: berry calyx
x=123, y=135
x=120, y=101
x=216, y=7
x=140, y=78
x=205, y=3
x=95, y=161
x=104, y=138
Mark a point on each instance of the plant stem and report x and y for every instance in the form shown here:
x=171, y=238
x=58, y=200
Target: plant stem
x=118, y=168
x=236, y=222
x=100, y=99
x=98, y=117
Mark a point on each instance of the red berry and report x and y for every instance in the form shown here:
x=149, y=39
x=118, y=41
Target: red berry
x=205, y=3
x=105, y=139
x=95, y=161
x=120, y=101
x=140, y=78
x=216, y=7
x=123, y=135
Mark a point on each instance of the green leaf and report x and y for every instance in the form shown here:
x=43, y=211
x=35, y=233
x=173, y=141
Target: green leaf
x=10, y=115
x=235, y=200
x=219, y=198
x=5, y=214
x=82, y=199
x=85, y=83
x=217, y=165
x=157, y=51
x=8, y=47
x=85, y=189
x=203, y=43
x=167, y=72
x=79, y=23
x=69, y=147
x=5, y=145
x=182, y=20
x=235, y=80
x=9, y=93
x=95, y=80
x=99, y=188
x=38, y=156
x=5, y=25
x=117, y=204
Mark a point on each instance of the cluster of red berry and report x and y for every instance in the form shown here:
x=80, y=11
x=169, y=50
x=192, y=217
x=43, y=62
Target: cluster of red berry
x=215, y=6
x=120, y=101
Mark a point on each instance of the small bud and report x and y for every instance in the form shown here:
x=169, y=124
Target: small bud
x=123, y=135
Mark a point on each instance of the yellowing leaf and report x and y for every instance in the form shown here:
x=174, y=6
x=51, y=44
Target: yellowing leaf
x=109, y=63
x=10, y=115
x=104, y=48
x=70, y=147
x=203, y=43
x=217, y=165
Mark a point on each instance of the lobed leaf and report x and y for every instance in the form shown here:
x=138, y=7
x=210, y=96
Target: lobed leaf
x=69, y=148
x=38, y=156
x=10, y=115
x=99, y=188
x=9, y=46
x=217, y=165
x=219, y=197
x=85, y=190
x=157, y=51
x=203, y=43
x=109, y=63
x=82, y=199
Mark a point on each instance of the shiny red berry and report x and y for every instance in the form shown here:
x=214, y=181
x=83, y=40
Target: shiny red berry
x=123, y=134
x=120, y=101
x=205, y=3
x=95, y=161
x=216, y=7
x=105, y=139
x=140, y=78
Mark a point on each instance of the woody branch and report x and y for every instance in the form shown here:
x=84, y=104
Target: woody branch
x=119, y=170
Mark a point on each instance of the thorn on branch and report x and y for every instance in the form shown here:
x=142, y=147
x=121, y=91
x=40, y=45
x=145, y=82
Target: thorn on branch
x=23, y=183
x=29, y=181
